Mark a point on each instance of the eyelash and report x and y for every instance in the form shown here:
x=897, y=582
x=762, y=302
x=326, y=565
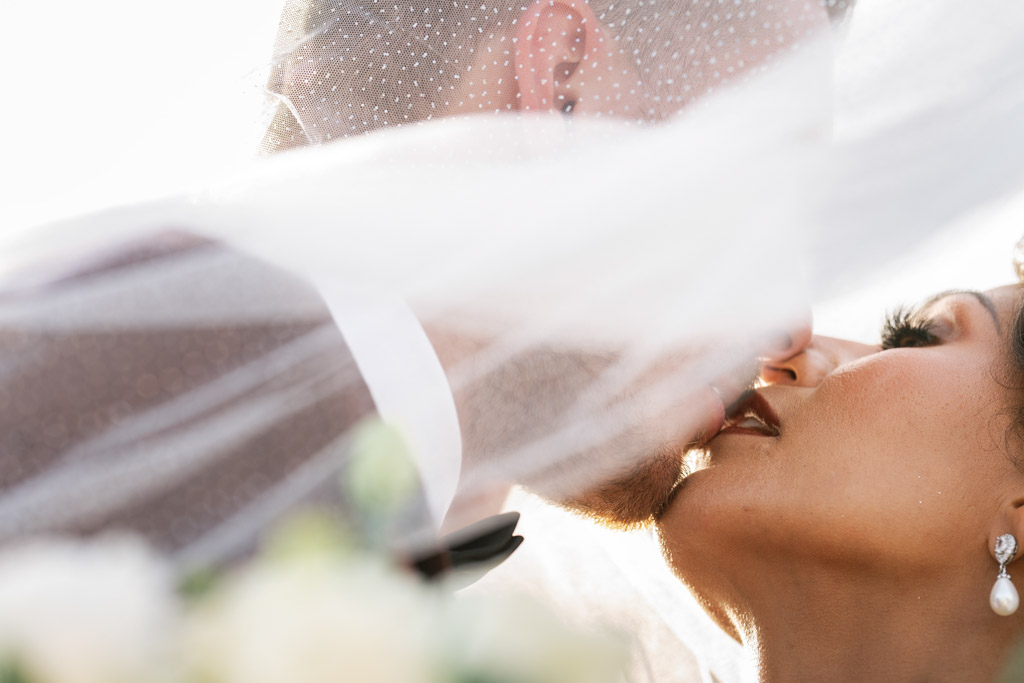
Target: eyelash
x=906, y=328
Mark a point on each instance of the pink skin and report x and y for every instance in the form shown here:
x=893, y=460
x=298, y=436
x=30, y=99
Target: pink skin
x=883, y=458
x=562, y=54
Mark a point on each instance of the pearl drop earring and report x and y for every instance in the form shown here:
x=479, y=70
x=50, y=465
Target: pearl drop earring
x=1003, y=598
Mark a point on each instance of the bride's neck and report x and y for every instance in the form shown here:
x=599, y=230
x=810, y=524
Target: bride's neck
x=877, y=629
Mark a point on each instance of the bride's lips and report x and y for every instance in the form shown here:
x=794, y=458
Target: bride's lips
x=751, y=414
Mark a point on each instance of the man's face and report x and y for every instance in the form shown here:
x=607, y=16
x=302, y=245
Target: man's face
x=358, y=71
x=674, y=59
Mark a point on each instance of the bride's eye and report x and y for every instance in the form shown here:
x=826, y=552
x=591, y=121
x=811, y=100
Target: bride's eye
x=906, y=328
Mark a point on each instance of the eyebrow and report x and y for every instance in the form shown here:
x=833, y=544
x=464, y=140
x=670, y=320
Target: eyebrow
x=984, y=299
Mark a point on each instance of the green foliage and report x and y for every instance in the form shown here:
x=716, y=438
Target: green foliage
x=12, y=672
x=1014, y=669
x=484, y=677
x=196, y=585
x=308, y=534
x=380, y=481
x=381, y=476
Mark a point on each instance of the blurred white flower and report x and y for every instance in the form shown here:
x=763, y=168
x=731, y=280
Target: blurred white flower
x=518, y=639
x=102, y=611
x=316, y=621
x=105, y=611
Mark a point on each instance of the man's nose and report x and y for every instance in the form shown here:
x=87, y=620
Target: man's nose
x=791, y=341
x=813, y=363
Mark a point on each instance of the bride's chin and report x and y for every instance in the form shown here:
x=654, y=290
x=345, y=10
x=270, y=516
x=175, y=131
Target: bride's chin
x=683, y=519
x=694, y=461
x=671, y=498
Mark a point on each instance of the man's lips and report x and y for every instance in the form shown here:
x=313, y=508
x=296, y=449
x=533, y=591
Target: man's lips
x=713, y=410
x=751, y=414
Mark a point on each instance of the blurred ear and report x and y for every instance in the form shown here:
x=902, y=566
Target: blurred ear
x=553, y=39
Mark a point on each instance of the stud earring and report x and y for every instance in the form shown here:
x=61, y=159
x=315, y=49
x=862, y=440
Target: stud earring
x=1003, y=598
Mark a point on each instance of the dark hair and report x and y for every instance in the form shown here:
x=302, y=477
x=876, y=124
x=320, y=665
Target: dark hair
x=1015, y=434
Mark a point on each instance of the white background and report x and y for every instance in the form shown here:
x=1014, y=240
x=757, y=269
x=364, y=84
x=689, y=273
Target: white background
x=108, y=101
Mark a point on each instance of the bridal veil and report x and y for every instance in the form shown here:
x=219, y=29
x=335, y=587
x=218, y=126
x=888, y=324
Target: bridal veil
x=892, y=135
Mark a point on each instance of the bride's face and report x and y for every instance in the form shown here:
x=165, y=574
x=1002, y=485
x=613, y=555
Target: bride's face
x=886, y=459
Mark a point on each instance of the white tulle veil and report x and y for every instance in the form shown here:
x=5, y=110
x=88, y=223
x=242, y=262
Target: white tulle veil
x=886, y=150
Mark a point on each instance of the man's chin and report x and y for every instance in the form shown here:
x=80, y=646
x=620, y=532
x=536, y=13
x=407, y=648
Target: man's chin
x=631, y=499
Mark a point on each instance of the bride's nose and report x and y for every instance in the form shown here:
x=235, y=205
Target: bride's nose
x=813, y=362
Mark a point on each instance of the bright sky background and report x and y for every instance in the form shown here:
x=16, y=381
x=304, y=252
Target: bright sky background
x=95, y=90
x=974, y=253
x=110, y=101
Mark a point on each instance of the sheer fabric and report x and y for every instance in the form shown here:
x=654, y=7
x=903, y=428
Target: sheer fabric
x=684, y=223
x=350, y=67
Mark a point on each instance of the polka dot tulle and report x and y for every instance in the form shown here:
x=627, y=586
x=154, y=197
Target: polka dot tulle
x=347, y=67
